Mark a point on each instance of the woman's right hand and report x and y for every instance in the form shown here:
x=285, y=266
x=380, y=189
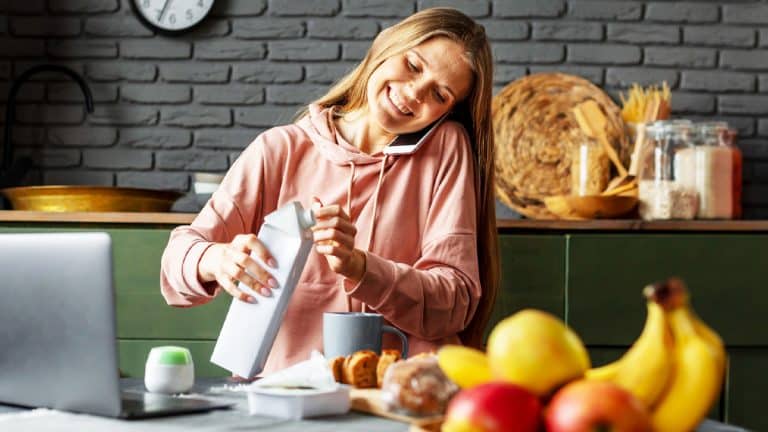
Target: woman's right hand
x=231, y=263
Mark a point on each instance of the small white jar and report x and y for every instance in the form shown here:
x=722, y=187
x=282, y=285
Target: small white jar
x=169, y=369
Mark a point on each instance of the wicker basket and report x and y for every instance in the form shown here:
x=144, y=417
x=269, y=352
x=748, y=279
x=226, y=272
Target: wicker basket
x=535, y=135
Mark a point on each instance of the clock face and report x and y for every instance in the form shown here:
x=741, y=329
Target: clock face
x=172, y=15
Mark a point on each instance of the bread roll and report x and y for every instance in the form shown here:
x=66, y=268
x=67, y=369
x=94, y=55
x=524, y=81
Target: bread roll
x=336, y=364
x=359, y=369
x=388, y=356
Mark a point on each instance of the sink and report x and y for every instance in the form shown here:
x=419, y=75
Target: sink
x=89, y=199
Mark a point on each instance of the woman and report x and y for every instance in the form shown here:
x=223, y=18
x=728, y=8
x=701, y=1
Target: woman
x=412, y=237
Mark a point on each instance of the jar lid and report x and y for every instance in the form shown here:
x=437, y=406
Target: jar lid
x=170, y=355
x=674, y=122
x=710, y=132
x=655, y=130
x=712, y=126
x=680, y=128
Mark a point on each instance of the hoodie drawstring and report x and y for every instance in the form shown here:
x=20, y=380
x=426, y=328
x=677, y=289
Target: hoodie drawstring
x=352, y=167
x=369, y=241
x=376, y=203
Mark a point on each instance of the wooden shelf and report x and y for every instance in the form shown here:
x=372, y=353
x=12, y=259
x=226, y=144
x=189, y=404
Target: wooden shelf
x=632, y=225
x=503, y=224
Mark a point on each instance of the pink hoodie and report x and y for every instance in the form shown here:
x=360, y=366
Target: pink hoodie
x=415, y=216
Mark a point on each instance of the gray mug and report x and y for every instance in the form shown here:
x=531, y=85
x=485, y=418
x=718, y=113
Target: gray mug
x=347, y=332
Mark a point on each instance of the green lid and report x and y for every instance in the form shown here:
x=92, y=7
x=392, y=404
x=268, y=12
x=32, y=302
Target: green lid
x=173, y=355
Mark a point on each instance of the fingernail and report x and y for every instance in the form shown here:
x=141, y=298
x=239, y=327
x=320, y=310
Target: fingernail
x=272, y=263
x=252, y=299
x=266, y=292
x=272, y=283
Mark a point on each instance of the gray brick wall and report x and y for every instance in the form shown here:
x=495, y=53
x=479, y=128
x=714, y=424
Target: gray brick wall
x=167, y=106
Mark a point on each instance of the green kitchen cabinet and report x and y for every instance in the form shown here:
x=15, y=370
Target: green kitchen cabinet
x=532, y=275
x=747, y=382
x=724, y=273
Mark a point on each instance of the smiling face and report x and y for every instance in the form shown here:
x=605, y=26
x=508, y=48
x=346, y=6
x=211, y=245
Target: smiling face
x=409, y=91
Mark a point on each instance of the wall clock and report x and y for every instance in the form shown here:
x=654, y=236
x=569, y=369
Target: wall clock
x=171, y=16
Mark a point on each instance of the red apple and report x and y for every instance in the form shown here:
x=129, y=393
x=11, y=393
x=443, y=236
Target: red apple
x=584, y=406
x=493, y=407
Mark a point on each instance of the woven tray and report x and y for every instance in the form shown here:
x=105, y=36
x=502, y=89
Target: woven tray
x=535, y=134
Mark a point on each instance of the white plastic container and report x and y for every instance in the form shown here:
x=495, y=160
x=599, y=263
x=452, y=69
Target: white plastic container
x=297, y=404
x=250, y=329
x=169, y=370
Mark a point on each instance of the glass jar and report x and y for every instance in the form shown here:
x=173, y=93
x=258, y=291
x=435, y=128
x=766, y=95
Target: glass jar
x=590, y=168
x=661, y=193
x=713, y=168
x=728, y=138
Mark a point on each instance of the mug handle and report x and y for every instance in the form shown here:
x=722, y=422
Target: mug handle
x=401, y=335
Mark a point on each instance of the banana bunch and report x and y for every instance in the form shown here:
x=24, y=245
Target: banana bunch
x=676, y=365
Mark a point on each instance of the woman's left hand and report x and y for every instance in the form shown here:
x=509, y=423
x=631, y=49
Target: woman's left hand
x=334, y=237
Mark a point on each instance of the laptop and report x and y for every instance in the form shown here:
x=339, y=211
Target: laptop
x=58, y=344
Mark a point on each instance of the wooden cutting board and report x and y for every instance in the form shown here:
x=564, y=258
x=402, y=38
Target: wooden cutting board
x=369, y=401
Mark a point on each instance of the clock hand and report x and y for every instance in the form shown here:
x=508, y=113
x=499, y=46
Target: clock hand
x=164, y=10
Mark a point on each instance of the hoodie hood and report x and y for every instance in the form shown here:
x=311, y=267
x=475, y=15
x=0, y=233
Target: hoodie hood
x=318, y=125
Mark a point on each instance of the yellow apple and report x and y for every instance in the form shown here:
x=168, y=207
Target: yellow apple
x=536, y=350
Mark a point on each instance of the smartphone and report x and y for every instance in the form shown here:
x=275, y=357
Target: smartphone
x=410, y=142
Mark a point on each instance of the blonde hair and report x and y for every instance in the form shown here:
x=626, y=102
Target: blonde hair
x=474, y=113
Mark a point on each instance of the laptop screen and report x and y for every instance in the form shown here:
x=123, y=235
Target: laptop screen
x=57, y=322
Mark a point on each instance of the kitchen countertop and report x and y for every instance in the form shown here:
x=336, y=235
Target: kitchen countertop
x=13, y=419
x=504, y=225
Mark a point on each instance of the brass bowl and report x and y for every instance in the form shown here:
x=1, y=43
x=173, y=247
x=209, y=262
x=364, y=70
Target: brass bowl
x=90, y=199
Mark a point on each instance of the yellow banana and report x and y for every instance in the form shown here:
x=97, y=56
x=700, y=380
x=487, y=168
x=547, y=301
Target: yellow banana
x=646, y=367
x=677, y=296
x=711, y=337
x=699, y=358
x=697, y=379
x=465, y=366
x=604, y=373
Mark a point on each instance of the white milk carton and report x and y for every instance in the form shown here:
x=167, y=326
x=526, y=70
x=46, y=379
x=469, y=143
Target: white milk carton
x=249, y=329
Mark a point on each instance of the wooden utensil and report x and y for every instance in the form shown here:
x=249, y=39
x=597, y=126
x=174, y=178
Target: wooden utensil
x=634, y=160
x=617, y=182
x=650, y=115
x=592, y=122
x=623, y=189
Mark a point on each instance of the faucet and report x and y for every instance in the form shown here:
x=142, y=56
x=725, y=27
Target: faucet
x=12, y=171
